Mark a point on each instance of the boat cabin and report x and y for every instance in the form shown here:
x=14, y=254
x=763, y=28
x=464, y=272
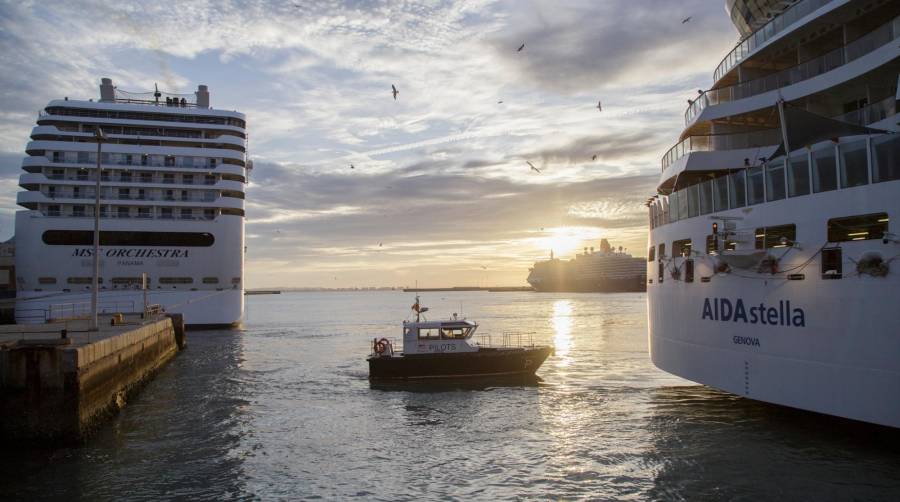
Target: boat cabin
x=428, y=337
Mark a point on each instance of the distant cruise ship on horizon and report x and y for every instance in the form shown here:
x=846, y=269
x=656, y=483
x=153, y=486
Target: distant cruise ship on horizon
x=605, y=271
x=774, y=254
x=172, y=206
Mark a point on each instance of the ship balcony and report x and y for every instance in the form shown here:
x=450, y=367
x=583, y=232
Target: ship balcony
x=726, y=143
x=51, y=132
x=32, y=197
x=132, y=182
x=867, y=53
x=34, y=163
x=45, y=118
x=797, y=15
x=40, y=146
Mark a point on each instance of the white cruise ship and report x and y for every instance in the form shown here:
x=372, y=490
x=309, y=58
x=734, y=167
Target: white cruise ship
x=773, y=276
x=172, y=207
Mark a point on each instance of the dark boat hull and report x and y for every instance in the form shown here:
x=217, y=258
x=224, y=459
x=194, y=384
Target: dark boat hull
x=486, y=362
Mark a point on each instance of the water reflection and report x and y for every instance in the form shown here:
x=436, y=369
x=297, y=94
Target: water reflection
x=728, y=447
x=562, y=331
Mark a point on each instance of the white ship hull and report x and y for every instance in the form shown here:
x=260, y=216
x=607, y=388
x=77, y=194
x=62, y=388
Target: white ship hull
x=843, y=359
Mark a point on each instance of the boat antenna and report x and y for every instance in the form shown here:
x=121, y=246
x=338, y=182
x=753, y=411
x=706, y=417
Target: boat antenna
x=156, y=93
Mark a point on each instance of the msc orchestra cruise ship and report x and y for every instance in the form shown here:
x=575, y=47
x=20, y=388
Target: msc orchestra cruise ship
x=173, y=172
x=774, y=275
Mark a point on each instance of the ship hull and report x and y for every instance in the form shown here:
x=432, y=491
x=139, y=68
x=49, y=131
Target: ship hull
x=486, y=362
x=815, y=343
x=631, y=285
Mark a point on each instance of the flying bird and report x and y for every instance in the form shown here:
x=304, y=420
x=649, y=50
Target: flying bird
x=500, y=102
x=379, y=244
x=533, y=168
x=352, y=166
x=685, y=20
x=395, y=91
x=594, y=157
x=600, y=105
x=521, y=47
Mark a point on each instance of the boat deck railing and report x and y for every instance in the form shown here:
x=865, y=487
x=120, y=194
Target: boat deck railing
x=506, y=340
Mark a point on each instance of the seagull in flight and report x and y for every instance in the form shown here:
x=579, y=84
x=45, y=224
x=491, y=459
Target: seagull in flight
x=352, y=166
x=521, y=47
x=687, y=19
x=600, y=105
x=395, y=91
x=532, y=167
x=594, y=157
x=379, y=244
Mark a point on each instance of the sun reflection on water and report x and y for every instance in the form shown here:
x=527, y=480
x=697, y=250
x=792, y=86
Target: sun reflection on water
x=562, y=330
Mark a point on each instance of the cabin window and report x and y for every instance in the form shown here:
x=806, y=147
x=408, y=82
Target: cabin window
x=127, y=281
x=688, y=270
x=798, y=175
x=858, y=228
x=455, y=333
x=46, y=280
x=674, y=207
x=429, y=334
x=776, y=237
x=712, y=244
x=885, y=158
x=755, y=185
x=210, y=280
x=683, y=205
x=854, y=164
x=651, y=254
x=775, y=180
x=832, y=263
x=720, y=193
x=693, y=192
x=83, y=280
x=662, y=251
x=737, y=189
x=706, y=197
x=681, y=248
x=824, y=169
x=176, y=280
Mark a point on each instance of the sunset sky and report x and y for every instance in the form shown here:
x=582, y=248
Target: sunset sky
x=441, y=192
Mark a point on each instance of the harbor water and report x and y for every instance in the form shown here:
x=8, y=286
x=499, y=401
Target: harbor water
x=283, y=409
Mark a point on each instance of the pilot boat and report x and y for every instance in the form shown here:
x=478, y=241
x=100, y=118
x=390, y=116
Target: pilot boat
x=446, y=349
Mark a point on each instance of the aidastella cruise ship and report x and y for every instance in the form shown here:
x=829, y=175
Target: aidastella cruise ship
x=172, y=172
x=774, y=246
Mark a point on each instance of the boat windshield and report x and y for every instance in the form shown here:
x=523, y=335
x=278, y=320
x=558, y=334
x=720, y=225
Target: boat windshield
x=455, y=333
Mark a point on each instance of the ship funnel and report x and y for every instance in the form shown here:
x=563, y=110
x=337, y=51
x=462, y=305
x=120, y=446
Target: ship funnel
x=107, y=91
x=202, y=96
x=604, y=245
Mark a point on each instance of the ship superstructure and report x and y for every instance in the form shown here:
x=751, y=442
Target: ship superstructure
x=605, y=270
x=172, y=173
x=774, y=254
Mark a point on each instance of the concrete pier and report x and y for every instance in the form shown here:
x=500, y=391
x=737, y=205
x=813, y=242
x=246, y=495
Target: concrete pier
x=58, y=381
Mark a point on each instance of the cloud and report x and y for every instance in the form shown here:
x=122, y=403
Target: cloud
x=439, y=179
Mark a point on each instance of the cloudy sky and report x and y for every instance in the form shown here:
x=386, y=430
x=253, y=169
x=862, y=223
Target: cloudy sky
x=441, y=192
